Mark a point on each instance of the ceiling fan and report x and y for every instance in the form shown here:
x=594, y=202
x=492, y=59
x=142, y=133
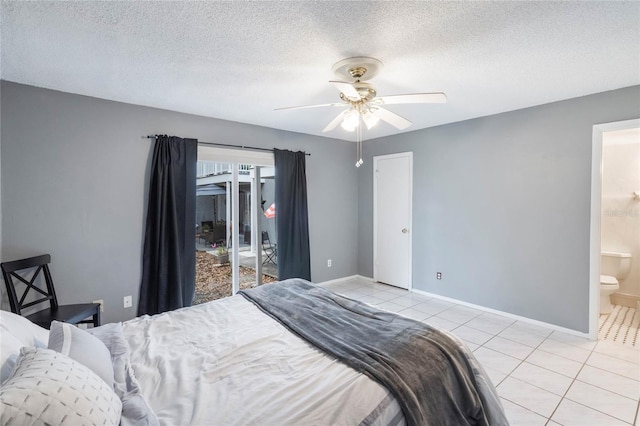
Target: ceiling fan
x=361, y=101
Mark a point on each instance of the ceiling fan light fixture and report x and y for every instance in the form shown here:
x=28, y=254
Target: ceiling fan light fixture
x=351, y=120
x=361, y=103
x=370, y=119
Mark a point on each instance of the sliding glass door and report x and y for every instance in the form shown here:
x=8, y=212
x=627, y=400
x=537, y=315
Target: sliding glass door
x=236, y=245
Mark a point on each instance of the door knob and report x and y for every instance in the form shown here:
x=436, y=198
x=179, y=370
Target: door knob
x=405, y=230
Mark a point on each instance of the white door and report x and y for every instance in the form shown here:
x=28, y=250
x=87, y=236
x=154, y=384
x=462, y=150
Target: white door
x=392, y=198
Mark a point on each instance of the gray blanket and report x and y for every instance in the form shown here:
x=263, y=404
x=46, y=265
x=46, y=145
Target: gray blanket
x=434, y=377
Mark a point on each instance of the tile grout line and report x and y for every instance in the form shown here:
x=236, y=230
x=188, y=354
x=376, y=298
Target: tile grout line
x=564, y=395
x=548, y=419
x=494, y=335
x=623, y=324
x=548, y=337
x=534, y=348
x=573, y=379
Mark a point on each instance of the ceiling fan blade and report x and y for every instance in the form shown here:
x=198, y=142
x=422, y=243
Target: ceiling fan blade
x=414, y=98
x=311, y=106
x=346, y=88
x=334, y=123
x=390, y=117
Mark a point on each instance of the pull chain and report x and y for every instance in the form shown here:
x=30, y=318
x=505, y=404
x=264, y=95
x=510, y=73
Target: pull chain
x=359, y=144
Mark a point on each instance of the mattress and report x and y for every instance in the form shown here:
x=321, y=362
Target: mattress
x=226, y=362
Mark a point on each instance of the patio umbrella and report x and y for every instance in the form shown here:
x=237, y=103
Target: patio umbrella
x=270, y=213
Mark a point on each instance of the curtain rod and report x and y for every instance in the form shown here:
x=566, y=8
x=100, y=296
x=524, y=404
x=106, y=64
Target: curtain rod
x=224, y=144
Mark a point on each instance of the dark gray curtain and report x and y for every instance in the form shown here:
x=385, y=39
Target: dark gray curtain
x=292, y=218
x=169, y=263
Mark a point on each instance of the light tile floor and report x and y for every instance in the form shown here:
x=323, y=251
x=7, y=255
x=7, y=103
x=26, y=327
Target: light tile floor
x=622, y=326
x=544, y=377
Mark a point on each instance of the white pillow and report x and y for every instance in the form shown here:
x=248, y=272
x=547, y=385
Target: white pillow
x=16, y=332
x=50, y=388
x=81, y=346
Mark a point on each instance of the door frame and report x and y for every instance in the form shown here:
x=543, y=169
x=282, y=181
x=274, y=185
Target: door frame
x=409, y=188
x=596, y=217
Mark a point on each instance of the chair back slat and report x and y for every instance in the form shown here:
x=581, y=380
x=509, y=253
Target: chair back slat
x=9, y=272
x=29, y=285
x=31, y=262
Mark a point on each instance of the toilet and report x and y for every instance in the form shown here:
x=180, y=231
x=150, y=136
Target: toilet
x=614, y=267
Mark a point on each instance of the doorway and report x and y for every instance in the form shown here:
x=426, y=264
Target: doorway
x=392, y=219
x=600, y=134
x=233, y=189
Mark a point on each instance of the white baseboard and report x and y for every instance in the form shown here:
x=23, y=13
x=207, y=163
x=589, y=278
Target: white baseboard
x=339, y=280
x=471, y=305
x=362, y=277
x=506, y=314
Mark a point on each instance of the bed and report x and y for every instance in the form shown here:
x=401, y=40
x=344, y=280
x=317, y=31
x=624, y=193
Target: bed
x=289, y=353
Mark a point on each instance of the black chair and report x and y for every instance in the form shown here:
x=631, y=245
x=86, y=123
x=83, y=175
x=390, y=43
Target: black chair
x=73, y=314
x=270, y=251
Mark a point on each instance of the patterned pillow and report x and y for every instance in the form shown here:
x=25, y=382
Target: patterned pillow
x=50, y=388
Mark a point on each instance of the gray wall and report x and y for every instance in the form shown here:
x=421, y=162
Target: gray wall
x=74, y=178
x=502, y=206
x=501, y=203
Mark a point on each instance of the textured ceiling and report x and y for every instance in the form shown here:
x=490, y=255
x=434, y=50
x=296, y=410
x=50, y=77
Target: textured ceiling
x=240, y=60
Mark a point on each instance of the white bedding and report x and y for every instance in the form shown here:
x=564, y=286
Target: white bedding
x=226, y=362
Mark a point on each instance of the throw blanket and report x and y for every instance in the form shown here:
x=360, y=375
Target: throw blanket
x=434, y=377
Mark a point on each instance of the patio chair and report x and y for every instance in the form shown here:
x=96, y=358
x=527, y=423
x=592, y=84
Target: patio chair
x=72, y=314
x=270, y=250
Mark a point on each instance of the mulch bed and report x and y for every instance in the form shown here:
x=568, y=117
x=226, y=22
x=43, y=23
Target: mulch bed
x=213, y=281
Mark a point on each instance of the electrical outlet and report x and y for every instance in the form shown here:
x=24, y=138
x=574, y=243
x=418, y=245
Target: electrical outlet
x=128, y=302
x=101, y=302
x=439, y=275
x=328, y=263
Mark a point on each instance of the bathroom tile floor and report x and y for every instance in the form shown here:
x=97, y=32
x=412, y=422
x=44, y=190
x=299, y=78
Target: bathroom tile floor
x=622, y=326
x=544, y=377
